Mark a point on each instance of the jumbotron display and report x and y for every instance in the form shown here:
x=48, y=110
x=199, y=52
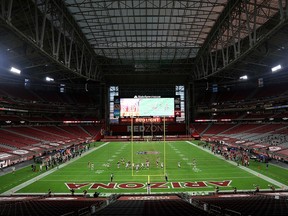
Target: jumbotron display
x=146, y=107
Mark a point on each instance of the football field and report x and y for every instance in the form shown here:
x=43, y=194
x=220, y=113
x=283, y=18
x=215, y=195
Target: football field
x=132, y=165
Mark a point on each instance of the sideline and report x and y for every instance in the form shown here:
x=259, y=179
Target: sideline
x=266, y=178
x=25, y=184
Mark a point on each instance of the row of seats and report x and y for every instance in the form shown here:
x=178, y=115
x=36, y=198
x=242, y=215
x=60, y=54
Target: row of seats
x=19, y=137
x=171, y=207
x=232, y=128
x=245, y=205
x=46, y=206
x=270, y=134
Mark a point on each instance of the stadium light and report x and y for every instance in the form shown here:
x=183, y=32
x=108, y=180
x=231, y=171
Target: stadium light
x=49, y=79
x=245, y=77
x=15, y=70
x=276, y=68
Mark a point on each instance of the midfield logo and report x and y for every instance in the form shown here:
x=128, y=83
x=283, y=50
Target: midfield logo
x=153, y=185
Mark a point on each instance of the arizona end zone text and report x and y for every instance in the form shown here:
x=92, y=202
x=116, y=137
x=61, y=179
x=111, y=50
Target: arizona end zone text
x=155, y=185
x=147, y=128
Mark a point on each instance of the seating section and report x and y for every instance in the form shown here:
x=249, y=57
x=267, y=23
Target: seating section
x=246, y=205
x=47, y=206
x=200, y=128
x=77, y=131
x=220, y=128
x=93, y=131
x=248, y=103
x=15, y=139
x=266, y=134
x=241, y=128
x=177, y=207
x=4, y=149
x=19, y=137
x=33, y=133
x=265, y=204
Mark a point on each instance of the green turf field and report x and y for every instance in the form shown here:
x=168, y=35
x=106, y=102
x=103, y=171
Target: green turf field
x=200, y=171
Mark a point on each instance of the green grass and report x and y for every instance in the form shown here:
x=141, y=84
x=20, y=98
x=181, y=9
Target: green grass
x=210, y=170
x=273, y=171
x=10, y=180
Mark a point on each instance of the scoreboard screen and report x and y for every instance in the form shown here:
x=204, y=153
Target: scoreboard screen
x=146, y=107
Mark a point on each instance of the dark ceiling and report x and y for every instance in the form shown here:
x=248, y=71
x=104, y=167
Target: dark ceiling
x=135, y=42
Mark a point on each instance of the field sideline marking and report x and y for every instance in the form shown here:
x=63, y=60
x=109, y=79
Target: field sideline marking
x=25, y=184
x=266, y=178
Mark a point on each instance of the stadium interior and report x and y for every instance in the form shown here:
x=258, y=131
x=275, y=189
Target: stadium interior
x=66, y=65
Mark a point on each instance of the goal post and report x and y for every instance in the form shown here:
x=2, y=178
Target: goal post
x=148, y=159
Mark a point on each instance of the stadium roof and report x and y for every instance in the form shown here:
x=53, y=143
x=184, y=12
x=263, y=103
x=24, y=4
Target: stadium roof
x=136, y=41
